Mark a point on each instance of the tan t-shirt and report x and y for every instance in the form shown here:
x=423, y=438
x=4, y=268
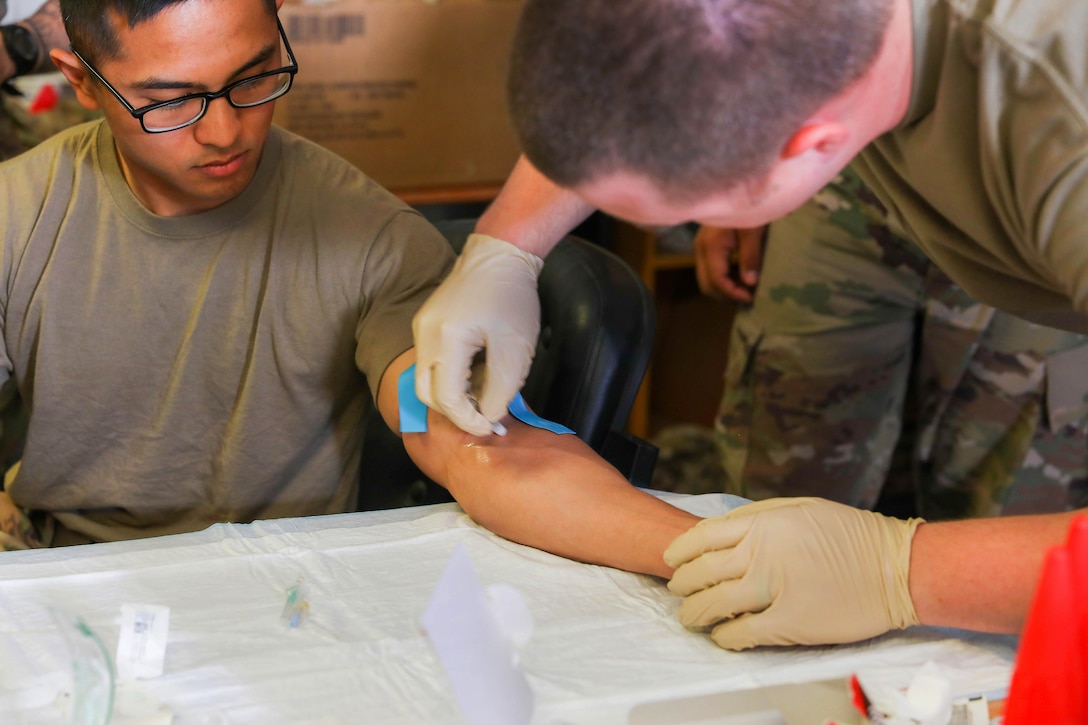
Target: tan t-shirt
x=190, y=370
x=989, y=170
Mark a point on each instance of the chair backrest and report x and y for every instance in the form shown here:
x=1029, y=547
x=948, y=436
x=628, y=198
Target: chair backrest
x=597, y=334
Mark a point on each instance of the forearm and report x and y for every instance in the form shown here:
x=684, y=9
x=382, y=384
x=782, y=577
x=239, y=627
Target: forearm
x=47, y=28
x=981, y=574
x=573, y=506
x=532, y=212
x=553, y=493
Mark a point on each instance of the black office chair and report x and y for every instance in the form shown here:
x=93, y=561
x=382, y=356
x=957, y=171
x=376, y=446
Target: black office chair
x=596, y=336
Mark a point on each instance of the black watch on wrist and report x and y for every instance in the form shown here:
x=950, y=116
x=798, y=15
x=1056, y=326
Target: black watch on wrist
x=22, y=46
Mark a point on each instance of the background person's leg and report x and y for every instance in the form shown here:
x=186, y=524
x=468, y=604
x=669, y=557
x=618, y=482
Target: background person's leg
x=991, y=442
x=818, y=365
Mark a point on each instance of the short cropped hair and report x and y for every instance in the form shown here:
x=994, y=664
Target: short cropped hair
x=89, y=23
x=697, y=95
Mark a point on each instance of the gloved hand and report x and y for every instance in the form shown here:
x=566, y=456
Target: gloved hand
x=489, y=301
x=794, y=571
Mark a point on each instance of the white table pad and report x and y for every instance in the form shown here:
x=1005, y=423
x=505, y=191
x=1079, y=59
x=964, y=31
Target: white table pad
x=604, y=640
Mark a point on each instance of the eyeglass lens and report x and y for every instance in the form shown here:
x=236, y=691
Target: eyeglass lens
x=252, y=92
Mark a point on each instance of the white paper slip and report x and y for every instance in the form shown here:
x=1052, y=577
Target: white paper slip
x=477, y=654
x=141, y=648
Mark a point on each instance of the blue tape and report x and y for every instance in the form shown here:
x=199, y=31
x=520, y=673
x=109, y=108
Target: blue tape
x=521, y=411
x=413, y=413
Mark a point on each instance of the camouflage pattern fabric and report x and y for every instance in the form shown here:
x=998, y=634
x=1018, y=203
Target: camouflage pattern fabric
x=816, y=383
x=17, y=530
x=687, y=460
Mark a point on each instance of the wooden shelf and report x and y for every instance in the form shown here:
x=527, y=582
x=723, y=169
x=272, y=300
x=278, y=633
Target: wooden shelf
x=639, y=248
x=670, y=260
x=471, y=194
x=683, y=382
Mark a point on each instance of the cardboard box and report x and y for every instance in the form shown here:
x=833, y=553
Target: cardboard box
x=412, y=92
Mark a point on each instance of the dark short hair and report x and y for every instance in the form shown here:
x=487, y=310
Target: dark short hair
x=697, y=95
x=90, y=23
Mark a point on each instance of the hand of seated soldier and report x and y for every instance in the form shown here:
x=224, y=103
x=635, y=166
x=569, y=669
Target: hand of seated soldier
x=794, y=571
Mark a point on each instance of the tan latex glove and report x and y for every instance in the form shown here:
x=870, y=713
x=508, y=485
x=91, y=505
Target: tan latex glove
x=488, y=302
x=794, y=571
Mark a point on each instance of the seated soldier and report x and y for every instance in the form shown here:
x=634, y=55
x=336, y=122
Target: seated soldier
x=196, y=301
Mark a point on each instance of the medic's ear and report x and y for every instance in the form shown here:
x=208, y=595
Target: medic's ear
x=826, y=138
x=78, y=76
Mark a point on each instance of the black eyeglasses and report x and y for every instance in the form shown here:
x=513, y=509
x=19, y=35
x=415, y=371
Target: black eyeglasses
x=187, y=110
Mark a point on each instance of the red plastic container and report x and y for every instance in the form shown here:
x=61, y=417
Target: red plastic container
x=1050, y=681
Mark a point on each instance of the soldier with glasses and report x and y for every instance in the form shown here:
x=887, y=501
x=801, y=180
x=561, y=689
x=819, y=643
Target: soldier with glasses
x=195, y=303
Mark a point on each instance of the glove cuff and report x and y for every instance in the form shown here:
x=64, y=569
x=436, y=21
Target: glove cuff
x=483, y=246
x=901, y=613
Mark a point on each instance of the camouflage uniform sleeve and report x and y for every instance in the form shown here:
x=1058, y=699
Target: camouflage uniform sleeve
x=16, y=530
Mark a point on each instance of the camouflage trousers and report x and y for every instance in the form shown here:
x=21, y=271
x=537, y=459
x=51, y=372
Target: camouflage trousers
x=848, y=317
